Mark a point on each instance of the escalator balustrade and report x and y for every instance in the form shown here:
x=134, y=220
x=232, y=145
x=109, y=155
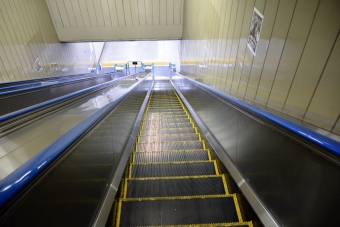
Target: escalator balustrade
x=172, y=177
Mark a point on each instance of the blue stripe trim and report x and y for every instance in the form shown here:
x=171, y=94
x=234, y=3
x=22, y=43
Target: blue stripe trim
x=323, y=141
x=55, y=82
x=52, y=101
x=21, y=177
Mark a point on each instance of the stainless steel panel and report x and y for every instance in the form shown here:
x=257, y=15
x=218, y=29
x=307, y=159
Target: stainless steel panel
x=295, y=184
x=4, y=107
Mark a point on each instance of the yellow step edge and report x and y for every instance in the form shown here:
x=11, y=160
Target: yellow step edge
x=184, y=162
x=179, y=134
x=171, y=141
x=225, y=186
x=175, y=178
x=180, y=198
x=133, y=154
x=176, y=163
x=225, y=224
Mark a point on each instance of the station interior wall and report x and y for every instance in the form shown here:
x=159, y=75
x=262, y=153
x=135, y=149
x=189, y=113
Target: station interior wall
x=28, y=34
x=296, y=68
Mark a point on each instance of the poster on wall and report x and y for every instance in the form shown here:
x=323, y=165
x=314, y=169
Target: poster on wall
x=255, y=31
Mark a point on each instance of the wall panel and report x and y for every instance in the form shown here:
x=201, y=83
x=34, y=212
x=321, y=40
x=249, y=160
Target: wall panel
x=294, y=69
x=315, y=56
x=28, y=34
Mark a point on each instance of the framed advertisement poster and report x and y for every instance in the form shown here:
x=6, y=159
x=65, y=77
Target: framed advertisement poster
x=255, y=31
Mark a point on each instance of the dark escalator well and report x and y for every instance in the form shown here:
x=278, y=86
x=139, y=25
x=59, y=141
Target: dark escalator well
x=172, y=177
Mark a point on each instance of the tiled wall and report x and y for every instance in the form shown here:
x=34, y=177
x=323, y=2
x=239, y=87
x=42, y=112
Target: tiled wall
x=27, y=34
x=296, y=69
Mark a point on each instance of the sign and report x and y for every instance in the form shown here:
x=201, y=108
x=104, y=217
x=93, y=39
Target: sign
x=255, y=31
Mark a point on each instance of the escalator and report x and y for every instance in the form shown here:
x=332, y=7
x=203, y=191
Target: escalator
x=172, y=177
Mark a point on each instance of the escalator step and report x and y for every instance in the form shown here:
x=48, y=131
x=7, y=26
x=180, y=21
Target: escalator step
x=178, y=212
x=166, y=121
x=175, y=187
x=166, y=116
x=168, y=146
x=167, y=131
x=173, y=169
x=168, y=138
x=168, y=125
x=173, y=156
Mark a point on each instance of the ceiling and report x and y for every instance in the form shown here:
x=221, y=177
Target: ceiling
x=103, y=20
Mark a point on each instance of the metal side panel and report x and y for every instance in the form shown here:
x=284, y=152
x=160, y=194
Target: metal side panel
x=265, y=216
x=103, y=213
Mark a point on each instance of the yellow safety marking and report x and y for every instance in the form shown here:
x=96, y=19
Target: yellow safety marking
x=127, y=171
x=226, y=224
x=121, y=195
x=125, y=187
x=225, y=184
x=194, y=150
x=185, y=162
x=173, y=142
x=119, y=213
x=238, y=210
x=133, y=157
x=114, y=216
x=175, y=178
x=209, y=154
x=130, y=170
x=204, y=145
x=169, y=135
x=177, y=197
x=216, y=168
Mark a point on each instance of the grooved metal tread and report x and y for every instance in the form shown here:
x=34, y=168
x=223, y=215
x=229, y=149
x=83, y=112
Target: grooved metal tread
x=173, y=169
x=167, y=146
x=172, y=179
x=180, y=211
x=169, y=138
x=164, y=156
x=137, y=188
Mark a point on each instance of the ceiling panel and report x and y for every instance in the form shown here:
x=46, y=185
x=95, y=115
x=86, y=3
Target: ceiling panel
x=63, y=13
x=141, y=12
x=106, y=12
x=70, y=14
x=99, y=12
x=83, y=20
x=162, y=12
x=54, y=11
x=91, y=13
x=113, y=13
x=77, y=13
x=120, y=12
x=134, y=12
x=155, y=12
x=127, y=13
x=177, y=11
x=169, y=12
x=148, y=12
x=84, y=13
